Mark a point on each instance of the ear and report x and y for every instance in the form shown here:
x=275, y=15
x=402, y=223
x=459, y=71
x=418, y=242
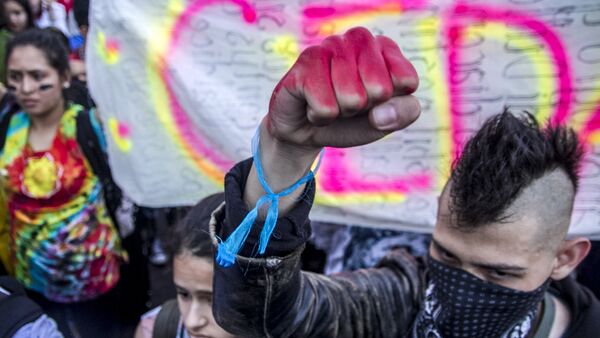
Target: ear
x=66, y=79
x=570, y=253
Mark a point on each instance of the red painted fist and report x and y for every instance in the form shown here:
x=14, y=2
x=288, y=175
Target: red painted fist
x=351, y=90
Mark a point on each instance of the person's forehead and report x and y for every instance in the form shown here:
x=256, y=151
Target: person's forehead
x=512, y=241
x=28, y=58
x=528, y=204
x=12, y=4
x=193, y=273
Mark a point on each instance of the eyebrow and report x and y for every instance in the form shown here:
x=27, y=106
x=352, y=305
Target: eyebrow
x=197, y=292
x=489, y=266
x=29, y=71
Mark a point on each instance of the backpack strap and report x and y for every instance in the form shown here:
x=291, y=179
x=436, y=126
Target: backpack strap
x=16, y=310
x=93, y=145
x=7, y=109
x=166, y=324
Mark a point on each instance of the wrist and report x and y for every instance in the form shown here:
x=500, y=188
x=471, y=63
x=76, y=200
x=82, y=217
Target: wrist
x=284, y=163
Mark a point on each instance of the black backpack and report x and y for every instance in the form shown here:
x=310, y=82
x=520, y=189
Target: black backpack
x=90, y=146
x=16, y=309
x=166, y=324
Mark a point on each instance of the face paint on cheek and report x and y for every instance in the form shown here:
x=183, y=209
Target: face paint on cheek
x=45, y=87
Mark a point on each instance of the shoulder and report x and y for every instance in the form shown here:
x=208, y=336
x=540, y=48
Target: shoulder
x=402, y=261
x=583, y=307
x=44, y=326
x=19, y=120
x=4, y=35
x=145, y=327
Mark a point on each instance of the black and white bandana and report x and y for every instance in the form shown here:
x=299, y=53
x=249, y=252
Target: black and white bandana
x=458, y=304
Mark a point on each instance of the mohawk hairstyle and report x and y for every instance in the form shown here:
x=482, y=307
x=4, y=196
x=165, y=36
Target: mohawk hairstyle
x=505, y=156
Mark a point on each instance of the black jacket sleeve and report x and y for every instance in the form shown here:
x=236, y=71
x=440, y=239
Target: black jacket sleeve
x=292, y=230
x=271, y=297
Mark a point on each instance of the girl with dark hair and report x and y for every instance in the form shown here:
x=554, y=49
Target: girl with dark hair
x=190, y=315
x=17, y=16
x=63, y=245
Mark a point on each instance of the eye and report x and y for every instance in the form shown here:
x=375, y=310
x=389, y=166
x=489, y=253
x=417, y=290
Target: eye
x=447, y=256
x=499, y=274
x=14, y=76
x=206, y=298
x=183, y=295
x=37, y=76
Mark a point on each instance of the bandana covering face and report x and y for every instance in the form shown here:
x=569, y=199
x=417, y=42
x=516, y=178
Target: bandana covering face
x=458, y=304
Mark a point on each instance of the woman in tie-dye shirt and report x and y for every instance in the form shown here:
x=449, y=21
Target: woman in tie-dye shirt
x=62, y=243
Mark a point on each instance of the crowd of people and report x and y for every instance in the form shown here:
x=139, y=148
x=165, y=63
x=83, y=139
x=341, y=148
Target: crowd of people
x=74, y=254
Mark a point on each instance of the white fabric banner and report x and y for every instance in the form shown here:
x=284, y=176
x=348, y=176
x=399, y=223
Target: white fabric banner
x=182, y=85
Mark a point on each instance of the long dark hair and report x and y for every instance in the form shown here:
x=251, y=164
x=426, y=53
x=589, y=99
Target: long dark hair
x=26, y=7
x=192, y=233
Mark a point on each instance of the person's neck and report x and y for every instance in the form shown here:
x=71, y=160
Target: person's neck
x=48, y=120
x=539, y=314
x=560, y=322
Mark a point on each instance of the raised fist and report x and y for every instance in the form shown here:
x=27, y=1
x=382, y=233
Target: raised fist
x=351, y=90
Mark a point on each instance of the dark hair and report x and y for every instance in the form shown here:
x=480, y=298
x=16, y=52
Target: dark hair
x=63, y=37
x=48, y=41
x=81, y=11
x=191, y=233
x=26, y=7
x=505, y=156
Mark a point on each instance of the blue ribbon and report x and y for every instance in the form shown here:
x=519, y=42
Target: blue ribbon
x=228, y=249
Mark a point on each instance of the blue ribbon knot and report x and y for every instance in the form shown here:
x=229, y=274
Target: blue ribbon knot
x=227, y=250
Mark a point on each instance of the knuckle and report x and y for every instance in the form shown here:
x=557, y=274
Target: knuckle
x=326, y=112
x=384, y=41
x=358, y=32
x=352, y=102
x=320, y=111
x=379, y=91
x=408, y=84
x=332, y=41
x=310, y=53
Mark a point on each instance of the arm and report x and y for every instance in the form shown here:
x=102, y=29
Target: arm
x=351, y=90
x=271, y=297
x=57, y=16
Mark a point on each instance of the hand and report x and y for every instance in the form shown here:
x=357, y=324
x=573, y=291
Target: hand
x=47, y=6
x=48, y=3
x=351, y=90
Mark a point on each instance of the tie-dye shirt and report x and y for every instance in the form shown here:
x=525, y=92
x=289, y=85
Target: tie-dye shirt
x=62, y=241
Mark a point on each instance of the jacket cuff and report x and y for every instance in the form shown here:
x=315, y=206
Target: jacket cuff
x=291, y=231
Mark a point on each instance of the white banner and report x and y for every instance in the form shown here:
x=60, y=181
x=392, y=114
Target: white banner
x=182, y=85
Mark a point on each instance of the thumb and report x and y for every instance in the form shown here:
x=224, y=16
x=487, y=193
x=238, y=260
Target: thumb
x=395, y=114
